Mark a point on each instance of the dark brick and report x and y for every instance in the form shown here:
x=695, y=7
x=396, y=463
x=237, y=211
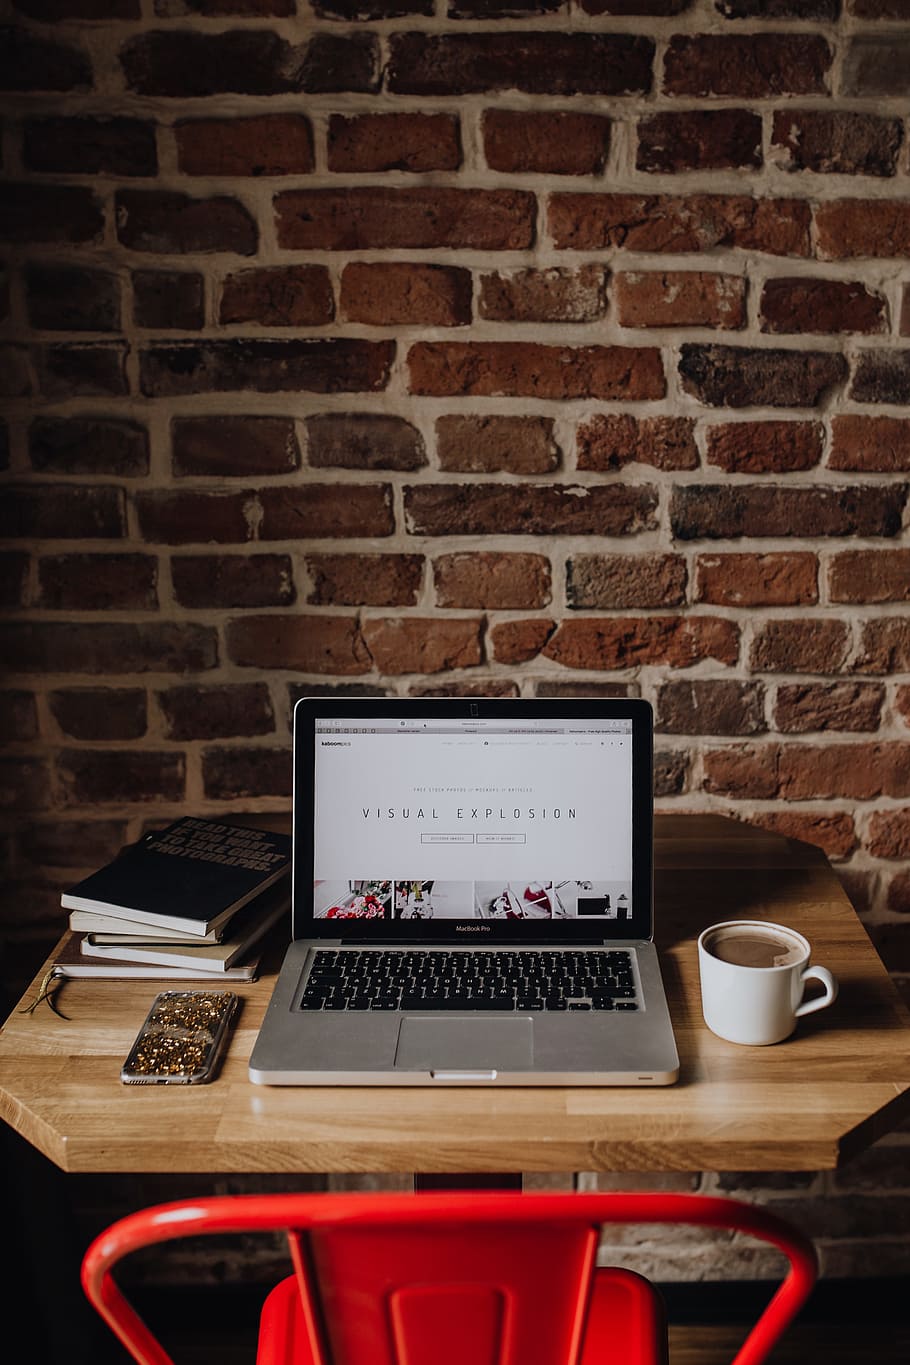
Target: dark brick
x=100, y=713
x=765, y=447
x=706, y=706
x=166, y=299
x=355, y=218
x=233, y=580
x=549, y=688
x=837, y=143
x=366, y=10
x=15, y=375
x=340, y=510
x=671, y=223
x=363, y=440
x=65, y=647
x=197, y=517
x=24, y=785
x=98, y=11
x=520, y=142
x=72, y=843
x=89, y=777
x=543, y=63
x=247, y=9
x=528, y=369
x=49, y=213
x=364, y=580
x=65, y=511
x=701, y=139
x=271, y=144
x=30, y=63
x=719, y=512
x=801, y=646
x=336, y=365
x=612, y=440
x=756, y=66
x=877, y=64
x=863, y=228
x=229, y=447
x=483, y=445
x=98, y=582
x=216, y=712
x=88, y=445
x=168, y=222
x=551, y=295
x=671, y=772
x=737, y=377
x=488, y=687
x=803, y=707
x=72, y=298
x=244, y=772
x=881, y=377
x=530, y=509
x=183, y=64
x=302, y=644
x=623, y=581
x=13, y=579
x=278, y=296
x=88, y=369
x=824, y=10
x=400, y=293
x=90, y=146
x=393, y=142
x=870, y=576
x=800, y=304
x=18, y=716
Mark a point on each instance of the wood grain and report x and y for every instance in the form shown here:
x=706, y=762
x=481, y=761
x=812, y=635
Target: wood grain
x=809, y=1103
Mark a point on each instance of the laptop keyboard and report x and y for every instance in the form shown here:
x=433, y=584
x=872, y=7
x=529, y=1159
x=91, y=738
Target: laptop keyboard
x=366, y=979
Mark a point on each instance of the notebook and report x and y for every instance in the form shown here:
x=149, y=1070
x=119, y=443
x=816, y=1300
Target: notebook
x=472, y=898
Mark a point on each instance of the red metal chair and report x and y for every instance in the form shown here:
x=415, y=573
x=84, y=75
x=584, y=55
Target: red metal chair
x=449, y=1279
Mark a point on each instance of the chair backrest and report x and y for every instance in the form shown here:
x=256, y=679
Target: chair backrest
x=440, y=1279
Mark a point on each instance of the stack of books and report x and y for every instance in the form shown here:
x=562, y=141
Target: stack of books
x=192, y=901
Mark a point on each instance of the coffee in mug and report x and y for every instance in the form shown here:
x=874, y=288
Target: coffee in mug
x=753, y=976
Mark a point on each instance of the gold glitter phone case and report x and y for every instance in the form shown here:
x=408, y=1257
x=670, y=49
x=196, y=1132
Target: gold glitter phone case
x=182, y=1039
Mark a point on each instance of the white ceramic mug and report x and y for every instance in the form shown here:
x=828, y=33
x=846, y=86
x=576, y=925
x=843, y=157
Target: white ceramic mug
x=757, y=997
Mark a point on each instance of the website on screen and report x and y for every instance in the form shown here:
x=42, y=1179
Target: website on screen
x=473, y=820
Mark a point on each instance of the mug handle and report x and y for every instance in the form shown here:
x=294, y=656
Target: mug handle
x=830, y=984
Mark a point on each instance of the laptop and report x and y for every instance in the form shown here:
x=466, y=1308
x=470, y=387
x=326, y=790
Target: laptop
x=471, y=898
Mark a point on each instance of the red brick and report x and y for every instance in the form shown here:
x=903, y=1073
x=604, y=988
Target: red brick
x=612, y=440
x=741, y=377
x=833, y=833
x=182, y=63
x=801, y=646
x=722, y=512
x=14, y=567
x=211, y=580
x=623, y=581
x=885, y=646
x=881, y=9
x=394, y=142
x=73, y=843
x=625, y=642
x=72, y=299
x=62, y=511
x=710, y=706
x=175, y=9
x=857, y=771
x=166, y=221
x=699, y=139
x=526, y=369
x=514, y=642
x=50, y=213
x=100, y=713
x=363, y=440
x=550, y=688
x=412, y=644
x=801, y=304
x=31, y=63
x=70, y=647
x=765, y=447
x=98, y=582
x=538, y=63
x=169, y=299
x=902, y=702
x=228, y=774
x=18, y=716
x=216, y=711
x=393, y=294
x=52, y=11
x=487, y=687
x=493, y=580
x=365, y=10
x=331, y=365
x=669, y=223
x=484, y=445
x=742, y=771
x=863, y=228
x=90, y=146
x=278, y=296
x=529, y=509
x=889, y=834
x=25, y=785
x=804, y=707
x=90, y=777
x=87, y=370
x=355, y=218
x=875, y=444
x=841, y=142
x=753, y=66
x=635, y=7
x=229, y=447
x=552, y=295
x=680, y=298
x=303, y=644
x=340, y=510
x=271, y=144
x=364, y=580
x=553, y=143
x=876, y=64
x=171, y=518
x=15, y=372
x=750, y=580
x=779, y=9
x=870, y=576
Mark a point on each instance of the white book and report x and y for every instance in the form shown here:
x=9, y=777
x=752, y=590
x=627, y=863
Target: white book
x=106, y=926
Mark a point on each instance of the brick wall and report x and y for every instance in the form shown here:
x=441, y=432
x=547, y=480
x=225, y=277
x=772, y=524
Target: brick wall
x=482, y=346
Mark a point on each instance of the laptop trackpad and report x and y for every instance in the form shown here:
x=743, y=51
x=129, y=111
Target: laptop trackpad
x=464, y=1044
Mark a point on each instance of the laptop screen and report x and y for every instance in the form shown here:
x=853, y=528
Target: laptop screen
x=504, y=825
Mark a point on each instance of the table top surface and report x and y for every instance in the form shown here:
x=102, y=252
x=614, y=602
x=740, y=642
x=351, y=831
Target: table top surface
x=809, y=1103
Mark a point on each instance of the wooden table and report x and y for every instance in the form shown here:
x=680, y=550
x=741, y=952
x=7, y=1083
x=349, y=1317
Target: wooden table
x=806, y=1104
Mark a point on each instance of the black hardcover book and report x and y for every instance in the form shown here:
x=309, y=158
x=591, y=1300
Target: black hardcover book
x=192, y=876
